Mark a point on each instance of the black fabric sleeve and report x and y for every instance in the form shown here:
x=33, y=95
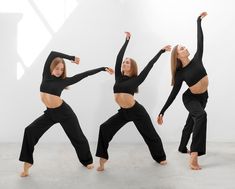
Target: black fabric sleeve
x=119, y=60
x=79, y=77
x=50, y=58
x=143, y=74
x=199, y=52
x=175, y=90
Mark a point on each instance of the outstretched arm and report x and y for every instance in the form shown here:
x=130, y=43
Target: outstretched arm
x=143, y=74
x=51, y=57
x=120, y=56
x=79, y=77
x=199, y=52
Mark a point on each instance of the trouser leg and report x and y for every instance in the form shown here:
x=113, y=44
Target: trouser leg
x=107, y=130
x=149, y=134
x=32, y=134
x=74, y=132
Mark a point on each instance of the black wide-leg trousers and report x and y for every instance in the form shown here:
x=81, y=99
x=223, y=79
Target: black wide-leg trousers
x=68, y=120
x=196, y=123
x=143, y=123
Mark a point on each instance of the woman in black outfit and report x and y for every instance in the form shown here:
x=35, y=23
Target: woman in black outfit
x=54, y=80
x=127, y=81
x=194, y=98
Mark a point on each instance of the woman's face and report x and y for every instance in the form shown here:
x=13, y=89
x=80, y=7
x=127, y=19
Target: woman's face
x=58, y=70
x=182, y=52
x=126, y=65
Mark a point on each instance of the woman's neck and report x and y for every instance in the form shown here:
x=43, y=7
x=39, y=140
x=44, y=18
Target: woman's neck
x=185, y=61
x=127, y=74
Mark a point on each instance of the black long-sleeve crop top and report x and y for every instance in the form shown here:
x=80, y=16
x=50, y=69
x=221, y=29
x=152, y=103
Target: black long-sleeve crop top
x=55, y=85
x=192, y=73
x=126, y=84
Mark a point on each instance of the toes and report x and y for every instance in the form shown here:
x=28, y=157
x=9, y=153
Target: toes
x=163, y=162
x=23, y=174
x=100, y=169
x=197, y=167
x=90, y=166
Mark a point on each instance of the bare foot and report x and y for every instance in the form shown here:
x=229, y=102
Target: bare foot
x=102, y=162
x=90, y=166
x=193, y=163
x=163, y=162
x=25, y=173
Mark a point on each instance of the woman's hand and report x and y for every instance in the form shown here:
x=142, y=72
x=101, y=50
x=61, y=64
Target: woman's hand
x=76, y=60
x=109, y=70
x=128, y=35
x=167, y=48
x=160, y=119
x=202, y=15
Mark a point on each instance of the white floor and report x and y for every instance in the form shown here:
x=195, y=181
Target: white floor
x=130, y=166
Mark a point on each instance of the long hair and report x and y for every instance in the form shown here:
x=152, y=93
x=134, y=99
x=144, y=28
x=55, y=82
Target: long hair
x=175, y=64
x=55, y=62
x=133, y=70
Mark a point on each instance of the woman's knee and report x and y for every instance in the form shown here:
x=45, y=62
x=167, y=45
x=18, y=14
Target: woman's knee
x=200, y=114
x=105, y=132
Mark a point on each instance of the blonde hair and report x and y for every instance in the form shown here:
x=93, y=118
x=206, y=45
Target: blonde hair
x=175, y=64
x=55, y=62
x=134, y=68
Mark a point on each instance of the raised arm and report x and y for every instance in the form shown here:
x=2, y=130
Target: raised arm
x=199, y=52
x=143, y=74
x=50, y=58
x=120, y=57
x=79, y=77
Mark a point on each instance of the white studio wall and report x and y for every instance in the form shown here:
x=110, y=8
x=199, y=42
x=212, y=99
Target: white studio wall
x=94, y=31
